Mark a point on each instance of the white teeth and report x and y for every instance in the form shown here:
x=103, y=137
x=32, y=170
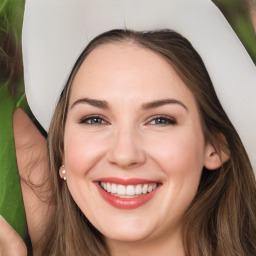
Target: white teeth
x=121, y=190
x=138, y=189
x=145, y=189
x=113, y=188
x=129, y=190
x=109, y=187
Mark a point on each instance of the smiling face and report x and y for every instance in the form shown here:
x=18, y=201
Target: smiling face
x=133, y=144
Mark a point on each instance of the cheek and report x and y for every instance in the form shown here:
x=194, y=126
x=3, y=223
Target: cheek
x=182, y=159
x=179, y=154
x=81, y=150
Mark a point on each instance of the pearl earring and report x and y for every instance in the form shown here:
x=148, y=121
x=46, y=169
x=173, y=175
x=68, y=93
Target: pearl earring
x=63, y=172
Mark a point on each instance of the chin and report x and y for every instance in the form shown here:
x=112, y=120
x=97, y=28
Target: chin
x=128, y=229
x=130, y=236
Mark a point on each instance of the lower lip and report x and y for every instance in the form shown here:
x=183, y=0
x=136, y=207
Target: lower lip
x=126, y=203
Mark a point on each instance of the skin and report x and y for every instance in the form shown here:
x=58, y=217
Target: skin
x=32, y=162
x=31, y=155
x=127, y=141
x=10, y=242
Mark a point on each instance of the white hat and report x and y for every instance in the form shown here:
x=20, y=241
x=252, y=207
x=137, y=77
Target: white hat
x=56, y=31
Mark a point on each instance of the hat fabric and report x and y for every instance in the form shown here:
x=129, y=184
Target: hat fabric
x=56, y=31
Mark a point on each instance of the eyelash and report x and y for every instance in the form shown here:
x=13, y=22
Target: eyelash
x=167, y=120
x=89, y=120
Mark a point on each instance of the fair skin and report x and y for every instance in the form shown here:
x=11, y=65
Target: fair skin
x=32, y=162
x=11, y=243
x=145, y=129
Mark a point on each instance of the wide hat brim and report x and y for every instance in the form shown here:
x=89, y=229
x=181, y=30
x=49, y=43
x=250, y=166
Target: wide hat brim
x=56, y=31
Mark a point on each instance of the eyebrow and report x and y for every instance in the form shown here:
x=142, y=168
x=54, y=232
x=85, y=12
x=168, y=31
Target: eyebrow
x=95, y=103
x=159, y=103
x=149, y=105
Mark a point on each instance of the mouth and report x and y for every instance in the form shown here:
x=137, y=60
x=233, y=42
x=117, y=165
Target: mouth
x=128, y=191
x=127, y=194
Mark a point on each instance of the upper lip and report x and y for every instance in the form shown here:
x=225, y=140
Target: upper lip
x=125, y=181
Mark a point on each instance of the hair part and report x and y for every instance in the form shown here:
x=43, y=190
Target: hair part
x=221, y=219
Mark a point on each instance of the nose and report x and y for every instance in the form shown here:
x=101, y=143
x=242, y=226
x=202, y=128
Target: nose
x=126, y=149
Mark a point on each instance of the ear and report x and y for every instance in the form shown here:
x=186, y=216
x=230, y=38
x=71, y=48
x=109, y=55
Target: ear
x=214, y=159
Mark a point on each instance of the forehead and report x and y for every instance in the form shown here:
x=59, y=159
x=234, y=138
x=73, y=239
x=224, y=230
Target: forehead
x=126, y=70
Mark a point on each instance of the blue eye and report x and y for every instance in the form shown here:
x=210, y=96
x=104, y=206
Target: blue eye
x=93, y=120
x=161, y=120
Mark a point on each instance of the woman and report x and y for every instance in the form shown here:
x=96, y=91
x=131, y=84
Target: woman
x=151, y=161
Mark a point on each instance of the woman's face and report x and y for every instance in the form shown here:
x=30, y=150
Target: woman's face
x=133, y=146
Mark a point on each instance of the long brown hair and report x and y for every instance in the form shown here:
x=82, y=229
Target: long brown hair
x=221, y=219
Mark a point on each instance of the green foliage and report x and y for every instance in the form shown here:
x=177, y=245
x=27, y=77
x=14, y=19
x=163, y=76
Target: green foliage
x=11, y=16
x=237, y=13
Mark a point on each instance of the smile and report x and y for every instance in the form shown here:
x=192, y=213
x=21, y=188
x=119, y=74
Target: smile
x=128, y=191
x=127, y=194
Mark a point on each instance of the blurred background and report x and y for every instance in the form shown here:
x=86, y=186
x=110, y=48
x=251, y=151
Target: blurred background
x=11, y=71
x=238, y=13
